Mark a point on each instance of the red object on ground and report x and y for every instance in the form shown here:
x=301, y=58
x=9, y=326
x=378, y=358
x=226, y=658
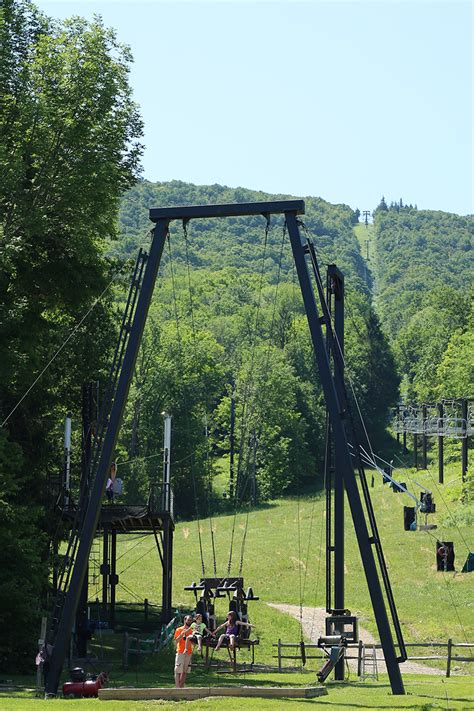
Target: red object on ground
x=87, y=689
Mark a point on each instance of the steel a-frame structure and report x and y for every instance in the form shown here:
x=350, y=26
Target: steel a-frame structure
x=304, y=257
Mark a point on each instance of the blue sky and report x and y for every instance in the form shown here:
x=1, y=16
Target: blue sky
x=343, y=100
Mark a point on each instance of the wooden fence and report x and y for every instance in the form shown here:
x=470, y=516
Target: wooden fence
x=449, y=658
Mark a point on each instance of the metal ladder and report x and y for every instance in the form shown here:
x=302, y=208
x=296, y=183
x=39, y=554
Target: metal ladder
x=69, y=558
x=369, y=668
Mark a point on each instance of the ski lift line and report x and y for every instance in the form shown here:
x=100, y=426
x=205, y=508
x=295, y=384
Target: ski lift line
x=180, y=351
x=65, y=342
x=397, y=484
x=411, y=479
x=439, y=493
x=453, y=521
x=453, y=603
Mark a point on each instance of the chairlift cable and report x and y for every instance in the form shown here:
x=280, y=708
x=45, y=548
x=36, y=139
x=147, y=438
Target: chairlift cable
x=439, y=493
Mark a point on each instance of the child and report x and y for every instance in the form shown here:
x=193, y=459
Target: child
x=198, y=627
x=231, y=630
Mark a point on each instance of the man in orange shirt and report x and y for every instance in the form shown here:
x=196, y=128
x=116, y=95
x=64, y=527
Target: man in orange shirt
x=184, y=650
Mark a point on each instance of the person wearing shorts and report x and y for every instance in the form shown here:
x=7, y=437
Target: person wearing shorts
x=182, y=663
x=199, y=628
x=231, y=625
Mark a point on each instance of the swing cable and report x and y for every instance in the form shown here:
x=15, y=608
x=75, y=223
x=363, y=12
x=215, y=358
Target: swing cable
x=180, y=352
x=246, y=394
x=208, y=462
x=263, y=384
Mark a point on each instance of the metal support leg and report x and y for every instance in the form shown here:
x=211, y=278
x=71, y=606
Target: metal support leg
x=364, y=540
x=106, y=456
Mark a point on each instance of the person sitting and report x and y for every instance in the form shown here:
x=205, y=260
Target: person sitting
x=231, y=625
x=199, y=628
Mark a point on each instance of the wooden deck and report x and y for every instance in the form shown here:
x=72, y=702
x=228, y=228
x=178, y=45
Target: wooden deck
x=200, y=692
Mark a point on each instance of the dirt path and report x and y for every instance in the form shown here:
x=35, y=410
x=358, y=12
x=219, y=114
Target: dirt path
x=313, y=627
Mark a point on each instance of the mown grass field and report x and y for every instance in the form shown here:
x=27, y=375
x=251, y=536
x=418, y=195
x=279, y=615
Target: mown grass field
x=421, y=695
x=283, y=562
x=282, y=557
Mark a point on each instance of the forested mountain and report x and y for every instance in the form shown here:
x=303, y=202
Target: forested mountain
x=228, y=314
x=424, y=276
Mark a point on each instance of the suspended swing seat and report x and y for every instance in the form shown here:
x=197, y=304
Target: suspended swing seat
x=206, y=592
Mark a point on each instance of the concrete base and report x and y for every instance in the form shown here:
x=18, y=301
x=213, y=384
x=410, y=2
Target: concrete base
x=199, y=692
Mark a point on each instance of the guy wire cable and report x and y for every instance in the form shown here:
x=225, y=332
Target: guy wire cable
x=66, y=341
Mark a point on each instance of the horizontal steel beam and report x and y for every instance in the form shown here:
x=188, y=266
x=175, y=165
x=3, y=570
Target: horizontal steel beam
x=190, y=212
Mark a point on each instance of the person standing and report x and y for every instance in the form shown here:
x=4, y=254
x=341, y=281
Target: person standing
x=184, y=650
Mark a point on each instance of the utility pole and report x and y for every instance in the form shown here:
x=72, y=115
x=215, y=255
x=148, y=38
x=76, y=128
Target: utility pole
x=366, y=214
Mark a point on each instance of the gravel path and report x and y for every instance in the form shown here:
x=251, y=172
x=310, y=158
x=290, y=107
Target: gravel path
x=314, y=627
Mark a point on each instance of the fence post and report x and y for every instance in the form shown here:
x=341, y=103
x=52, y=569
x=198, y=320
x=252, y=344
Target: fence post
x=145, y=606
x=359, y=658
x=279, y=655
x=448, y=666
